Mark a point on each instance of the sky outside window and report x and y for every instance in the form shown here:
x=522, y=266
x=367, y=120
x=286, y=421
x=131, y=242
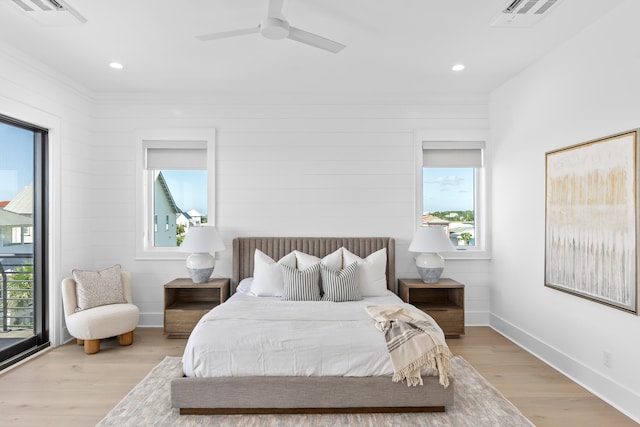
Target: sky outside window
x=16, y=160
x=188, y=188
x=447, y=189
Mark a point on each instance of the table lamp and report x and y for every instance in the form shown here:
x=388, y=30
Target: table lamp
x=201, y=241
x=429, y=241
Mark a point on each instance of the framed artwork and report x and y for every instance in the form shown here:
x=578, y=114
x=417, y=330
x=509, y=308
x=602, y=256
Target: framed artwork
x=591, y=228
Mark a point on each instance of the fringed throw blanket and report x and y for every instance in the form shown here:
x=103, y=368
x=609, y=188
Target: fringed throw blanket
x=413, y=343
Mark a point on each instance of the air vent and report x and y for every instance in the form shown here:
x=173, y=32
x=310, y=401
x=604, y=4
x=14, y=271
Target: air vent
x=523, y=13
x=50, y=12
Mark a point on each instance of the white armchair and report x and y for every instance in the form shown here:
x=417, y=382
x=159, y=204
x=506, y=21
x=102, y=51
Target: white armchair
x=91, y=325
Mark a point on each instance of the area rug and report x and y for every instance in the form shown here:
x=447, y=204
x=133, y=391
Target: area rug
x=476, y=403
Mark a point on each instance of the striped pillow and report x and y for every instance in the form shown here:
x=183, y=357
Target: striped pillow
x=340, y=285
x=301, y=285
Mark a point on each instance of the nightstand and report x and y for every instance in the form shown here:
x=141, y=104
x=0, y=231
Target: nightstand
x=444, y=301
x=186, y=302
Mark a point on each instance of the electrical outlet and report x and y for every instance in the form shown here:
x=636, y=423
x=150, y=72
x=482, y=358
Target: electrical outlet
x=606, y=359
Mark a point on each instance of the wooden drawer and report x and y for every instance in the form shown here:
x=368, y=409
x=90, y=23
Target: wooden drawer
x=182, y=322
x=451, y=320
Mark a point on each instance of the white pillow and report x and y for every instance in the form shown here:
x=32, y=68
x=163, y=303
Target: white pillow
x=244, y=287
x=333, y=260
x=371, y=272
x=267, y=277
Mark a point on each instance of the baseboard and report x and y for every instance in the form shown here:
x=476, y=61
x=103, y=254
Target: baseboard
x=476, y=318
x=151, y=320
x=615, y=394
x=66, y=336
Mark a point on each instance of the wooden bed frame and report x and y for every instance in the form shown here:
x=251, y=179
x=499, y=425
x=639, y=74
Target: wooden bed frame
x=269, y=395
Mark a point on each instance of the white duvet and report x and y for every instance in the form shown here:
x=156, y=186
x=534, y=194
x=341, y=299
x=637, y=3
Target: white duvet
x=258, y=336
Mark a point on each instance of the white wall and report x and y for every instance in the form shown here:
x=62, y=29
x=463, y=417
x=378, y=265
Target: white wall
x=586, y=89
x=285, y=167
x=298, y=166
x=292, y=166
x=32, y=92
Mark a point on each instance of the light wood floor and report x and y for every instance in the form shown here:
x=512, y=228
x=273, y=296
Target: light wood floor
x=65, y=387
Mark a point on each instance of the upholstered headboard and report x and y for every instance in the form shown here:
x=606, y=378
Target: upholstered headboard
x=277, y=247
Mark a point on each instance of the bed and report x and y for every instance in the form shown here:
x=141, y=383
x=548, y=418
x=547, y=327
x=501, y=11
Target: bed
x=289, y=386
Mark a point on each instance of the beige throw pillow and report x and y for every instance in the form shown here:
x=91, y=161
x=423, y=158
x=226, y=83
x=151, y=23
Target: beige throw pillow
x=96, y=288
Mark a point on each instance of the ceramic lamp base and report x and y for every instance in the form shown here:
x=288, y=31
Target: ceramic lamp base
x=200, y=267
x=430, y=267
x=200, y=275
x=430, y=275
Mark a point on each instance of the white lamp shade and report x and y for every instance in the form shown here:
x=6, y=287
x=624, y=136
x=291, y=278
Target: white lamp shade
x=203, y=239
x=431, y=239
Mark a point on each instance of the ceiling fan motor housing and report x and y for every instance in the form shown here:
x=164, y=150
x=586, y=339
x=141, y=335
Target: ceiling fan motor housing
x=274, y=28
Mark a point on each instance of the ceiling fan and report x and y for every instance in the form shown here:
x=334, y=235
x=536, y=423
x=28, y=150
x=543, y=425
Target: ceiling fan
x=275, y=27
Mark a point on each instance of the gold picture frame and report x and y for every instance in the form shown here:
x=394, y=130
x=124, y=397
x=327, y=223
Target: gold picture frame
x=591, y=221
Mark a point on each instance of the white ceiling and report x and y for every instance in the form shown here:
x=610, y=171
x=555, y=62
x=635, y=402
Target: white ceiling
x=393, y=47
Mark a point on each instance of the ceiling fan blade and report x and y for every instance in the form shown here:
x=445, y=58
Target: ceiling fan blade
x=275, y=9
x=314, y=40
x=225, y=34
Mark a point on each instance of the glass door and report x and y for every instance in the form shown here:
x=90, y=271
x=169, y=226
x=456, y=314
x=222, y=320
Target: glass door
x=23, y=326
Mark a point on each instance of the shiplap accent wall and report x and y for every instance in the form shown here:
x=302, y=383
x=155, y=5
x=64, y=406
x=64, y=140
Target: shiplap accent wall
x=291, y=167
x=287, y=166
x=32, y=92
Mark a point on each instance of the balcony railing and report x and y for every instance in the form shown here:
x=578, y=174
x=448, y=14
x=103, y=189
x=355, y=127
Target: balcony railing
x=17, y=295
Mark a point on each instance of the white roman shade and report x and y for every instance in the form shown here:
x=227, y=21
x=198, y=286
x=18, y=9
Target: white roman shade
x=173, y=155
x=446, y=154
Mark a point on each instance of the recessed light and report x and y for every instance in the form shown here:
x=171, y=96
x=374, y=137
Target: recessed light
x=457, y=67
x=116, y=65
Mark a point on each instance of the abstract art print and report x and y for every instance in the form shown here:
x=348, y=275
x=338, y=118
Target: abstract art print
x=591, y=229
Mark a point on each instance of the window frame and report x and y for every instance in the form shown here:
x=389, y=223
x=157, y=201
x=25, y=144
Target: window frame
x=459, y=139
x=176, y=139
x=42, y=248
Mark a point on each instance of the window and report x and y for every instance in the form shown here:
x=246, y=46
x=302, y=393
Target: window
x=451, y=189
x=175, y=173
x=23, y=231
